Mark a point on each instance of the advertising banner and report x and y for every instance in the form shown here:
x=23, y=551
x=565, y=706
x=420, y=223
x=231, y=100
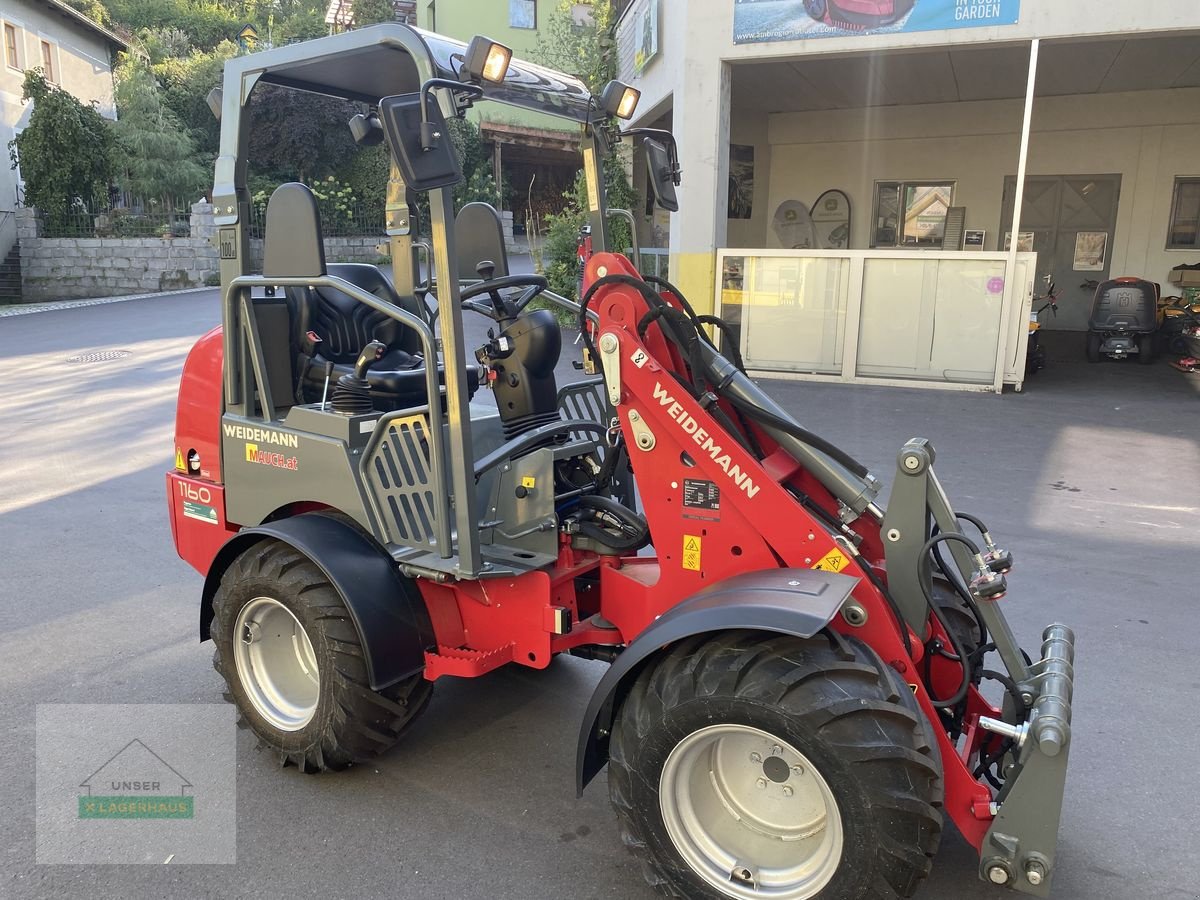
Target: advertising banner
x=794, y=20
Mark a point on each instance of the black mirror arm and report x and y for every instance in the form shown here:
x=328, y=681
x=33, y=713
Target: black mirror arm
x=463, y=95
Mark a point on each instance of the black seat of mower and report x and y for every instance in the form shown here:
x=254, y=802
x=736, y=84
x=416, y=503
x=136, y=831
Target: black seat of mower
x=479, y=236
x=341, y=325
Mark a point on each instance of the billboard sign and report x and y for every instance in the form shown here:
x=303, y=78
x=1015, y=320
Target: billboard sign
x=756, y=21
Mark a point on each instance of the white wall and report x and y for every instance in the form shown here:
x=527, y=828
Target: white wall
x=1147, y=137
x=80, y=55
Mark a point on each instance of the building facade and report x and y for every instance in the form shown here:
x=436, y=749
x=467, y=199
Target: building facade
x=74, y=53
x=920, y=116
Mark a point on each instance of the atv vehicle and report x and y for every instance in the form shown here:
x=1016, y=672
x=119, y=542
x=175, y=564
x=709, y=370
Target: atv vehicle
x=1124, y=318
x=796, y=693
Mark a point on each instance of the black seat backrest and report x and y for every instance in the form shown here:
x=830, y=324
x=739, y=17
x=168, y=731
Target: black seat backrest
x=345, y=326
x=292, y=245
x=479, y=235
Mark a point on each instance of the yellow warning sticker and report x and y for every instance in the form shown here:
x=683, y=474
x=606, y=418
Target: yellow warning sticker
x=179, y=464
x=833, y=561
x=528, y=481
x=691, y=552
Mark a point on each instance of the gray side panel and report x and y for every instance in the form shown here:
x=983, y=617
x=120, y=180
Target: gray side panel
x=269, y=466
x=798, y=602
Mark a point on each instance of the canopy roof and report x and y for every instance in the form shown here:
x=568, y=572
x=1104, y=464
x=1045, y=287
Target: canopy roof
x=379, y=61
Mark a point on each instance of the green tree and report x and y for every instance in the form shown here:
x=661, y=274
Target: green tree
x=587, y=51
x=93, y=9
x=157, y=159
x=372, y=12
x=186, y=82
x=205, y=22
x=65, y=152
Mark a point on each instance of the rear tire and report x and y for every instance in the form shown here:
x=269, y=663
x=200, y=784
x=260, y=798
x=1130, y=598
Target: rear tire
x=816, y=9
x=1146, y=349
x=1093, y=347
x=300, y=680
x=841, y=731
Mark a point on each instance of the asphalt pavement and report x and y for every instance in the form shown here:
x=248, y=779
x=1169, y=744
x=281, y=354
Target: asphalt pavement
x=1090, y=476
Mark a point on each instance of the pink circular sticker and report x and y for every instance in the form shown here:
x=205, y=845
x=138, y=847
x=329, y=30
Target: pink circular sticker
x=995, y=285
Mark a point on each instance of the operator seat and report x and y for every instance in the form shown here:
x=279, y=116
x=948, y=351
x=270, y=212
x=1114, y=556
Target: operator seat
x=340, y=324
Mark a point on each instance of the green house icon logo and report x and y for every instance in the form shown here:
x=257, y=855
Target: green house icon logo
x=136, y=783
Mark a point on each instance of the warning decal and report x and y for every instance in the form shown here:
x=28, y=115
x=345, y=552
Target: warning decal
x=691, y=552
x=833, y=561
x=179, y=460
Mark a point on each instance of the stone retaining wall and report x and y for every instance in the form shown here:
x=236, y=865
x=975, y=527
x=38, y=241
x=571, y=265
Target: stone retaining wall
x=73, y=268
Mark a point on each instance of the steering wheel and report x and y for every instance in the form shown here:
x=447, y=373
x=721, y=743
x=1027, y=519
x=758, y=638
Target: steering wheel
x=501, y=307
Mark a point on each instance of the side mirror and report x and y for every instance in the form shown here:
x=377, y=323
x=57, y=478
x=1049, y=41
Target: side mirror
x=423, y=169
x=661, y=175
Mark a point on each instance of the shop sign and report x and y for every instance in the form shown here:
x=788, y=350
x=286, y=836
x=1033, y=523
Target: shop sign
x=756, y=21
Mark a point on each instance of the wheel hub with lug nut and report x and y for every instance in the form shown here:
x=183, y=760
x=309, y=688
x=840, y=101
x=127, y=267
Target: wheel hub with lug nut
x=275, y=664
x=750, y=815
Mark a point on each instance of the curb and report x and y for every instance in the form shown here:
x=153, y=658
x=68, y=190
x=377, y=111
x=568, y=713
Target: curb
x=31, y=308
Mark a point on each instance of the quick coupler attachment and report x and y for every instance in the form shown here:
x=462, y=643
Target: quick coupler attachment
x=1019, y=849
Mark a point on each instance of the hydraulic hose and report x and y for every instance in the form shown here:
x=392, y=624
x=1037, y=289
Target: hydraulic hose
x=926, y=581
x=635, y=533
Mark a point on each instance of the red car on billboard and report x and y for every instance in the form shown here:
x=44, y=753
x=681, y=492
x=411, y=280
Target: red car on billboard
x=858, y=14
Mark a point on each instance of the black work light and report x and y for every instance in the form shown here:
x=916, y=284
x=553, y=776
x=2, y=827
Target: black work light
x=619, y=99
x=485, y=60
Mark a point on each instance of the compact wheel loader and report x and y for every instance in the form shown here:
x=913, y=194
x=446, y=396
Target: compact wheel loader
x=798, y=695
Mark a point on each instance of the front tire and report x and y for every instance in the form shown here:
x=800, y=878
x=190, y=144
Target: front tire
x=749, y=764
x=816, y=9
x=294, y=665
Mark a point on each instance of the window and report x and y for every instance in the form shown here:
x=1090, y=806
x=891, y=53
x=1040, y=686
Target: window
x=10, y=47
x=911, y=214
x=1184, y=230
x=48, y=62
x=522, y=13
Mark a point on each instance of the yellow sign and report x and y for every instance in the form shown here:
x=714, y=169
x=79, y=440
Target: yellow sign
x=528, y=481
x=592, y=177
x=691, y=552
x=179, y=464
x=833, y=561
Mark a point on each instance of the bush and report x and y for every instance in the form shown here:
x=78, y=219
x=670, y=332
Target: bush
x=212, y=279
x=562, y=237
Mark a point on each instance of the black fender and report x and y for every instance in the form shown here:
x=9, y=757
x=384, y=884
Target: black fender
x=798, y=602
x=387, y=608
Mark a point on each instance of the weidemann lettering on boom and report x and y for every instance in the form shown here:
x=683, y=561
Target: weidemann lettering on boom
x=692, y=428
x=262, y=436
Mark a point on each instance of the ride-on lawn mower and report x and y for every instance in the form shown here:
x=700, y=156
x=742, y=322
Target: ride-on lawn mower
x=1124, y=318
x=796, y=693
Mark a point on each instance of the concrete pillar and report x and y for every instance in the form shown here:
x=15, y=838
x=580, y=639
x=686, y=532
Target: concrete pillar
x=700, y=122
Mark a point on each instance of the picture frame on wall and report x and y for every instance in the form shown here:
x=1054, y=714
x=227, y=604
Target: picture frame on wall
x=974, y=239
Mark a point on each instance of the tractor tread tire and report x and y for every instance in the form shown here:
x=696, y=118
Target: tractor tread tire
x=879, y=736
x=353, y=723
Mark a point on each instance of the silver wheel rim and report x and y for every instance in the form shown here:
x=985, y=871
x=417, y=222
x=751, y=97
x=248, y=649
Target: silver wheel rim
x=276, y=664
x=750, y=815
